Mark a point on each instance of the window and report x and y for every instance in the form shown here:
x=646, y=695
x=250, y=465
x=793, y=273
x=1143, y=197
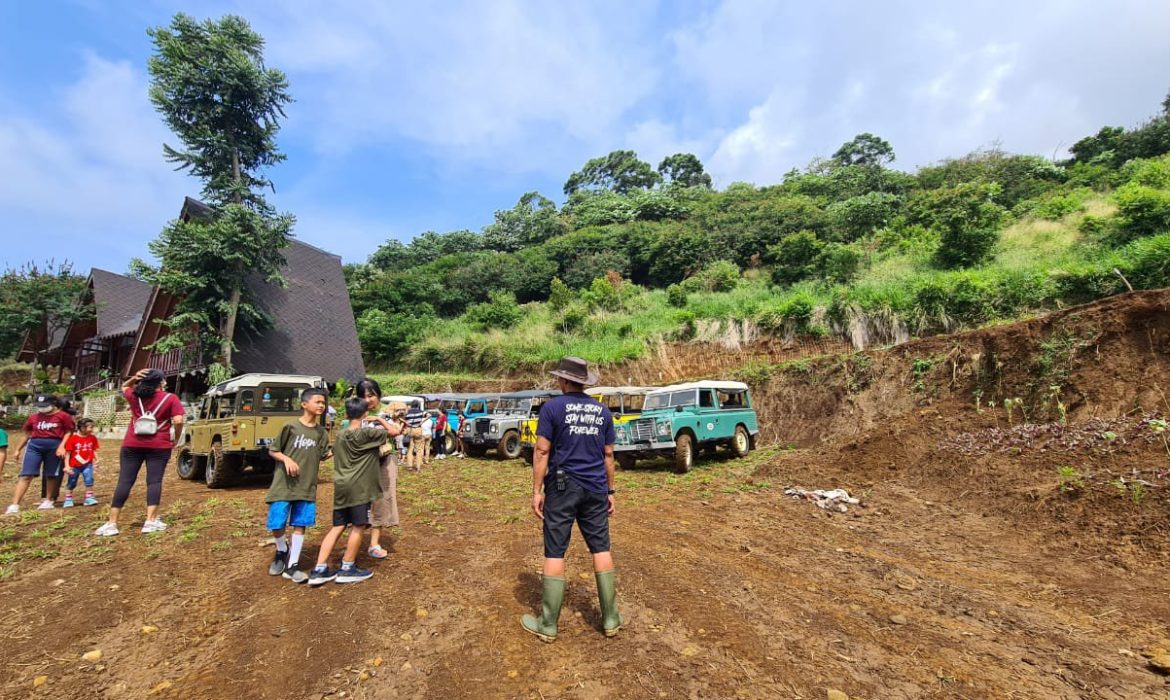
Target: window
x=225, y=406
x=247, y=401
x=682, y=398
x=706, y=399
x=476, y=407
x=632, y=403
x=205, y=408
x=731, y=399
x=280, y=399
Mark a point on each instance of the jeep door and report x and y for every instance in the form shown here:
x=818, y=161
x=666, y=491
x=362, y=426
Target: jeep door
x=714, y=424
x=200, y=430
x=736, y=408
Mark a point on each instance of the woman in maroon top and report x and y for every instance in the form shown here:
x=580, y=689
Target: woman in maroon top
x=45, y=433
x=145, y=444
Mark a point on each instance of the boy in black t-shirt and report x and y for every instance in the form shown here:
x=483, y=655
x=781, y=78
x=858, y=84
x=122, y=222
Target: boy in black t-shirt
x=292, y=498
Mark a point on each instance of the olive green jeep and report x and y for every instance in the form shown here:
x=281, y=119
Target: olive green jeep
x=235, y=423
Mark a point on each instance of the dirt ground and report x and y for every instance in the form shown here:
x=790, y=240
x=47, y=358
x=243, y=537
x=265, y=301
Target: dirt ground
x=998, y=553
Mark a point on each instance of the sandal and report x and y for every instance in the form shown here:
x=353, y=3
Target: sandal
x=377, y=552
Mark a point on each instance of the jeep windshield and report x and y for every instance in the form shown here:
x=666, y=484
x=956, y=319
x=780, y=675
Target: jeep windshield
x=671, y=399
x=512, y=406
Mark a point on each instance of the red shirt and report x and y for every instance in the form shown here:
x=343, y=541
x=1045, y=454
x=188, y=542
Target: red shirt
x=165, y=407
x=49, y=426
x=82, y=449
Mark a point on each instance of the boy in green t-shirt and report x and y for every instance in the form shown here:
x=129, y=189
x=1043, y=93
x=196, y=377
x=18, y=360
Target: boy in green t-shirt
x=292, y=498
x=356, y=462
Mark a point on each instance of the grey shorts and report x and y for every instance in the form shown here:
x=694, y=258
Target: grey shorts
x=574, y=504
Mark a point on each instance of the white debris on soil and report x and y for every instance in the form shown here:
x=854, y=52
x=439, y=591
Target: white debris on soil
x=836, y=500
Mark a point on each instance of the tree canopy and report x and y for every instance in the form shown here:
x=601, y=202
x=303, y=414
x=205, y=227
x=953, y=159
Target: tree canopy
x=619, y=171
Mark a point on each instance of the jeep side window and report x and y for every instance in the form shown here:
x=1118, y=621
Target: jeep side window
x=476, y=407
x=706, y=399
x=731, y=400
x=226, y=407
x=633, y=403
x=246, y=401
x=205, y=408
x=682, y=398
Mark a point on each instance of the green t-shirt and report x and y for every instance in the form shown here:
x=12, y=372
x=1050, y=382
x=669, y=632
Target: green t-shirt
x=307, y=446
x=355, y=467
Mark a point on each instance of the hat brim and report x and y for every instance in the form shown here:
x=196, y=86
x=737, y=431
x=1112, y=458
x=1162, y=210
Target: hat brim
x=590, y=378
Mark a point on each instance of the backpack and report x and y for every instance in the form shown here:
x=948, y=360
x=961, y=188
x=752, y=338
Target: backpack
x=146, y=424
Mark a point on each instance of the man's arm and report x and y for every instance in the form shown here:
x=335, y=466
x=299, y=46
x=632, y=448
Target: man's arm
x=539, y=470
x=609, y=470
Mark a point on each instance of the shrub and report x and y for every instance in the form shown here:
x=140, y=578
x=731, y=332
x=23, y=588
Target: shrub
x=968, y=220
x=501, y=311
x=603, y=294
x=840, y=263
x=676, y=296
x=586, y=268
x=795, y=257
x=1147, y=262
x=386, y=337
x=559, y=295
x=858, y=216
x=679, y=253
x=793, y=314
x=1142, y=211
x=573, y=319
x=720, y=276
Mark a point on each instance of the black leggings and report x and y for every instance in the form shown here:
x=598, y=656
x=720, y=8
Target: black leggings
x=131, y=459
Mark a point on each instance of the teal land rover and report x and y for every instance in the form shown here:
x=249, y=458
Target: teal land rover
x=681, y=419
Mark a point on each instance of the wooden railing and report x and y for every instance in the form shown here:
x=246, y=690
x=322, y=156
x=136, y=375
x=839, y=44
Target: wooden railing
x=177, y=360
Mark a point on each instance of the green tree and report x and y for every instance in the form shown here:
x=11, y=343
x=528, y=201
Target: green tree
x=797, y=256
x=532, y=221
x=865, y=149
x=212, y=88
x=40, y=302
x=968, y=220
x=619, y=171
x=684, y=170
x=560, y=296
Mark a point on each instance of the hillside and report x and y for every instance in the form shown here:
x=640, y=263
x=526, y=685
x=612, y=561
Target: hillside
x=847, y=250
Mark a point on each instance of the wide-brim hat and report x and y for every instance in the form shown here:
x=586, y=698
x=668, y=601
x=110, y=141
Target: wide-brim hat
x=574, y=369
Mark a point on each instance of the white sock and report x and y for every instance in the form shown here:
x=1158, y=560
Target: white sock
x=294, y=551
x=346, y=564
x=281, y=544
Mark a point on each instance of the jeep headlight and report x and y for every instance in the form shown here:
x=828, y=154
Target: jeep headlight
x=623, y=437
x=494, y=429
x=663, y=428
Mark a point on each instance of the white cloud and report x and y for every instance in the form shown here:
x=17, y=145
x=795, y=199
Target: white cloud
x=509, y=82
x=96, y=162
x=762, y=148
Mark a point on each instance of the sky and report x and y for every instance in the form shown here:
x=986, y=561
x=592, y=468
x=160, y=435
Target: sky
x=431, y=116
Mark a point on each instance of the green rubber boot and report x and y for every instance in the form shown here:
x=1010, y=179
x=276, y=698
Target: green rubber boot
x=611, y=621
x=545, y=626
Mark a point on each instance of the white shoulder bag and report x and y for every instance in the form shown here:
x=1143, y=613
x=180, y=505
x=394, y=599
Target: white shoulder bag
x=146, y=424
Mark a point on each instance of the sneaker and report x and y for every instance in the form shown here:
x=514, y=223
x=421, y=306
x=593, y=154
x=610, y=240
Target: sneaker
x=279, y=562
x=353, y=574
x=107, y=529
x=46, y=505
x=13, y=510
x=293, y=573
x=68, y=503
x=319, y=577
x=155, y=525
x=89, y=501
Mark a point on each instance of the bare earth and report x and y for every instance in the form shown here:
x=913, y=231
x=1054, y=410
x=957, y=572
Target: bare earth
x=994, y=557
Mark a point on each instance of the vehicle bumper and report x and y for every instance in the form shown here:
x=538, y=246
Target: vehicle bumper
x=481, y=440
x=646, y=447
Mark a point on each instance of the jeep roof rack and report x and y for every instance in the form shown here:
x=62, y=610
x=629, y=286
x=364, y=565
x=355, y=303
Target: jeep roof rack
x=721, y=385
x=626, y=390
x=254, y=378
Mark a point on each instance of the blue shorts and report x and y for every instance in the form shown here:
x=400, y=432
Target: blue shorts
x=85, y=471
x=40, y=459
x=295, y=513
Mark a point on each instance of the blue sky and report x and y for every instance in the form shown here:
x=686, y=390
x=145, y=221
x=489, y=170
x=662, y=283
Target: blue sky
x=411, y=117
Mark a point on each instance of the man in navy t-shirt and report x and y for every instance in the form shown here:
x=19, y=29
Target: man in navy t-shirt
x=572, y=481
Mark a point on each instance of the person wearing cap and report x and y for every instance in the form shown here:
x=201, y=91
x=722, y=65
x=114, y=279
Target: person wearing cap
x=155, y=418
x=572, y=481
x=45, y=433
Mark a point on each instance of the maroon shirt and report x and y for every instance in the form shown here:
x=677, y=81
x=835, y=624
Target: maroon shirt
x=165, y=406
x=49, y=426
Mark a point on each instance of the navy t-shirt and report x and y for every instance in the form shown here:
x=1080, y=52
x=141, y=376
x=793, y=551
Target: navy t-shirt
x=579, y=428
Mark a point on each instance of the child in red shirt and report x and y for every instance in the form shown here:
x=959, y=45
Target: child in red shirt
x=82, y=448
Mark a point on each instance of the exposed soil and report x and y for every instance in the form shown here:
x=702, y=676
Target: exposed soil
x=976, y=566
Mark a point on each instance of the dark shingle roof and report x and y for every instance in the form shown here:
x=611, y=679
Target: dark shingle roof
x=314, y=330
x=120, y=302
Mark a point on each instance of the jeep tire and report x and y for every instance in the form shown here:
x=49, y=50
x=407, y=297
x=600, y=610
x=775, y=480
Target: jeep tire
x=625, y=461
x=217, y=474
x=741, y=442
x=189, y=466
x=684, y=453
x=509, y=446
x=449, y=444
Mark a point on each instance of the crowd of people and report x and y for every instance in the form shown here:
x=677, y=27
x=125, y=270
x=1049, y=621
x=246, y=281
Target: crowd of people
x=573, y=475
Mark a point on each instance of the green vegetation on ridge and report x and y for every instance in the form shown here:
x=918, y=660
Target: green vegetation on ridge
x=846, y=247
